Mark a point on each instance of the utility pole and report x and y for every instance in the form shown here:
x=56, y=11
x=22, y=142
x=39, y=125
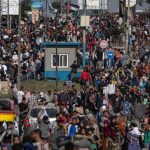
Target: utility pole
x=46, y=11
x=0, y=14
x=56, y=54
x=8, y=19
x=19, y=48
x=101, y=8
x=127, y=28
x=84, y=36
x=67, y=8
x=61, y=5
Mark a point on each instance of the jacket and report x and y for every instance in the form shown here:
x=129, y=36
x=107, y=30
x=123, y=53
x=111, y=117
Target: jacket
x=72, y=130
x=85, y=76
x=44, y=129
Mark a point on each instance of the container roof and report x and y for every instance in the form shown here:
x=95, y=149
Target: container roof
x=60, y=44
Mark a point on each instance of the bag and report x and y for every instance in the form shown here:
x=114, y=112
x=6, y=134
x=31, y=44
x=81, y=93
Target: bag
x=74, y=70
x=99, y=118
x=38, y=67
x=82, y=82
x=74, y=79
x=141, y=142
x=24, y=67
x=2, y=70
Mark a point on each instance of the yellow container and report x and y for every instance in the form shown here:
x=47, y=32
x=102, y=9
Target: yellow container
x=8, y=117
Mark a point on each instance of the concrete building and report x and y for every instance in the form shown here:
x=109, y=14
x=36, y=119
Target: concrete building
x=112, y=5
x=66, y=56
x=107, y=5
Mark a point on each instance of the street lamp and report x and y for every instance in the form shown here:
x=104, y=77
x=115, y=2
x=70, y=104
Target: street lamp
x=19, y=48
x=84, y=36
x=56, y=53
x=127, y=28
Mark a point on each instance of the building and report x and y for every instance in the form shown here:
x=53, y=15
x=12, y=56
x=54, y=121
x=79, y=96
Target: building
x=65, y=58
x=109, y=5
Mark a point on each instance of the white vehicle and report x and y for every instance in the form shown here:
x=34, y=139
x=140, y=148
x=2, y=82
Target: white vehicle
x=31, y=121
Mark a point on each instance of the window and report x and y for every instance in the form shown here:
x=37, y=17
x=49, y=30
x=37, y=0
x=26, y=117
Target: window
x=62, y=60
x=5, y=105
x=50, y=112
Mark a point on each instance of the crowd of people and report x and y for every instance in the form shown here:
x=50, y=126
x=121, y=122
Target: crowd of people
x=109, y=110
x=66, y=29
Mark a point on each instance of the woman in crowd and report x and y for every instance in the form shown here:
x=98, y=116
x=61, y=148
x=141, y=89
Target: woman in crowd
x=134, y=136
x=85, y=77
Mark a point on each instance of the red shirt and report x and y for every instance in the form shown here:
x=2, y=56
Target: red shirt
x=85, y=76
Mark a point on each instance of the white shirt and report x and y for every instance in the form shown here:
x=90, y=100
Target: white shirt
x=20, y=96
x=111, y=89
x=39, y=146
x=133, y=37
x=15, y=58
x=32, y=65
x=5, y=68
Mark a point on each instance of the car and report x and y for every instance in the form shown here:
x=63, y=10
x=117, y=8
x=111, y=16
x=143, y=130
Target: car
x=31, y=121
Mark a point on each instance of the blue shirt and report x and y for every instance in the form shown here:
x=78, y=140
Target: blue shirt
x=72, y=130
x=110, y=54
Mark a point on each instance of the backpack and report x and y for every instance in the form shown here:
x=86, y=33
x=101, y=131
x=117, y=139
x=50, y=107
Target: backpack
x=24, y=67
x=2, y=70
x=38, y=67
x=74, y=70
x=99, y=117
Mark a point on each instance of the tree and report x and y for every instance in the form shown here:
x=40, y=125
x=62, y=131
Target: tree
x=25, y=6
x=115, y=32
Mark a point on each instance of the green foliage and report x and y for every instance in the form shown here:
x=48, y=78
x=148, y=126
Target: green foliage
x=116, y=31
x=25, y=6
x=44, y=86
x=5, y=96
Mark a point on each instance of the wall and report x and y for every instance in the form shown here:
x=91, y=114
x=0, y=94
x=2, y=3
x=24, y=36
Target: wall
x=113, y=5
x=71, y=57
x=63, y=73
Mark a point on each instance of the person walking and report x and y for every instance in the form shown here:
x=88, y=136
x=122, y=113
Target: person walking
x=133, y=137
x=85, y=77
x=44, y=127
x=73, y=128
x=74, y=68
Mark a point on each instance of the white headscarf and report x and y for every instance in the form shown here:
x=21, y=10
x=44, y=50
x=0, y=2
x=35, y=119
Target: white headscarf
x=135, y=131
